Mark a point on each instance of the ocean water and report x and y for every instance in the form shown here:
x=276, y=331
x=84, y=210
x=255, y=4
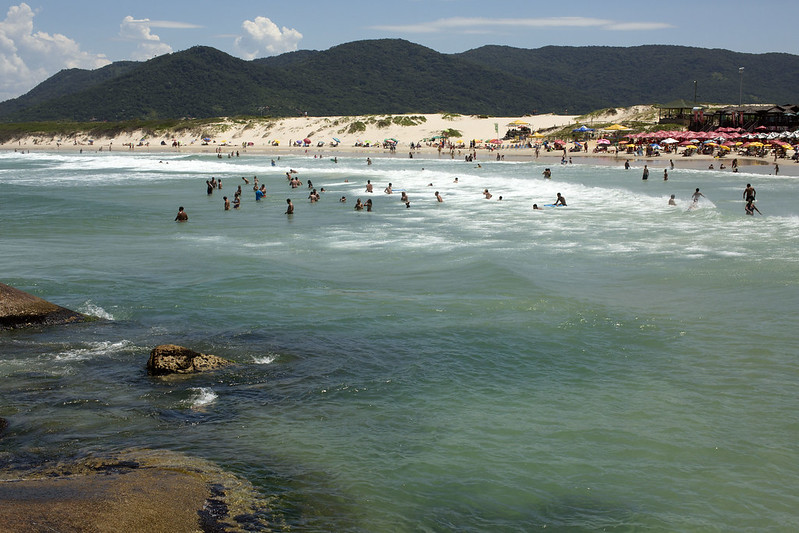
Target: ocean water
x=471, y=365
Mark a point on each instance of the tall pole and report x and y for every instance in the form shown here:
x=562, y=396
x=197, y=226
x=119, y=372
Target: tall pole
x=741, y=87
x=694, y=92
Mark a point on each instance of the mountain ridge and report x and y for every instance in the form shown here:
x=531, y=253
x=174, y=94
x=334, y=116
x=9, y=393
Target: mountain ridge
x=398, y=76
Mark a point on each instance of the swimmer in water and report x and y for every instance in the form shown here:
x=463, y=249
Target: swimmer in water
x=672, y=201
x=487, y=194
x=560, y=200
x=182, y=216
x=289, y=207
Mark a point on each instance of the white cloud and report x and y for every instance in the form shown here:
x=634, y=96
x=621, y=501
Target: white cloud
x=28, y=57
x=638, y=26
x=263, y=37
x=470, y=25
x=149, y=44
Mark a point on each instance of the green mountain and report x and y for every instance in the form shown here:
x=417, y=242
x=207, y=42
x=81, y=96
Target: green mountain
x=68, y=81
x=653, y=73
x=397, y=76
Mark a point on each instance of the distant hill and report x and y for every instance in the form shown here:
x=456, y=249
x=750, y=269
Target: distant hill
x=397, y=76
x=66, y=82
x=652, y=74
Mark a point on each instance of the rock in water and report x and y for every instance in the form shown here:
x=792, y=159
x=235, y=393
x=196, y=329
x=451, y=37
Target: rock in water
x=19, y=309
x=173, y=359
x=132, y=490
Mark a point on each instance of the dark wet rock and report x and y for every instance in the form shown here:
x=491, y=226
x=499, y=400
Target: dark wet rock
x=133, y=490
x=3, y=426
x=173, y=359
x=19, y=309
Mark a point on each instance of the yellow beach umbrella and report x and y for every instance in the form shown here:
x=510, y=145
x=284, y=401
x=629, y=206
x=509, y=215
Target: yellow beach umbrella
x=616, y=127
x=538, y=134
x=518, y=122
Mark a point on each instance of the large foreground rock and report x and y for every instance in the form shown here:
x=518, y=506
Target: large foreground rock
x=134, y=490
x=19, y=309
x=173, y=359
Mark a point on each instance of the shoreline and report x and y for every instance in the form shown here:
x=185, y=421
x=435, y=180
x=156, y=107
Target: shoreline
x=343, y=137
x=757, y=165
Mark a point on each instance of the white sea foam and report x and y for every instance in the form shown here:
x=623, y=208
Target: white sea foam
x=92, y=309
x=92, y=350
x=200, y=397
x=264, y=359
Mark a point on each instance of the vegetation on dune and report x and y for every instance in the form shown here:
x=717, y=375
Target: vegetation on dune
x=356, y=127
x=451, y=132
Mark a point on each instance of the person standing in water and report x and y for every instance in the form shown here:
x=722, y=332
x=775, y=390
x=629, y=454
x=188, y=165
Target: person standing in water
x=665, y=174
x=646, y=173
x=289, y=207
x=182, y=216
x=749, y=193
x=696, y=196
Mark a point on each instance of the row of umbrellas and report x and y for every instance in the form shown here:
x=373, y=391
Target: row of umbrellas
x=717, y=135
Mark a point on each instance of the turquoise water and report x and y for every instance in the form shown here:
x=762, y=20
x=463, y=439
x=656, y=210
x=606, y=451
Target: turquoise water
x=470, y=365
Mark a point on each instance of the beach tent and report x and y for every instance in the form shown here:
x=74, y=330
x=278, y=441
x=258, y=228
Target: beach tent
x=582, y=129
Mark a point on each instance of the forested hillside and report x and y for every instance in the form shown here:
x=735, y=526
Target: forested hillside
x=397, y=76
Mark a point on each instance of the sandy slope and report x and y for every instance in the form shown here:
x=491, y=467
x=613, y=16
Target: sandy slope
x=261, y=132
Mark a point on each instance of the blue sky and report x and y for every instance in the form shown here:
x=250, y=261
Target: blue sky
x=40, y=37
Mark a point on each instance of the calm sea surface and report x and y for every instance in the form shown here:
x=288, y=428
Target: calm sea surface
x=470, y=365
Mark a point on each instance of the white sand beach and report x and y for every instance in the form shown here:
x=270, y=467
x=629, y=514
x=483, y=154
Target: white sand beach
x=270, y=134
x=364, y=136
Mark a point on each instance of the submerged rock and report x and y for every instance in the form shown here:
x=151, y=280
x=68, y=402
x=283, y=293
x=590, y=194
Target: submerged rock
x=3, y=426
x=173, y=359
x=19, y=309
